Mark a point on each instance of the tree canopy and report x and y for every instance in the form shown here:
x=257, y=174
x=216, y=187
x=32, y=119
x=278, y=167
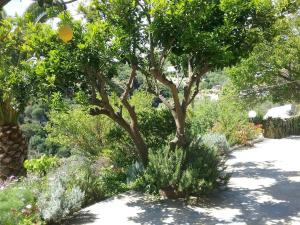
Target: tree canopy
x=273, y=68
x=195, y=36
x=17, y=59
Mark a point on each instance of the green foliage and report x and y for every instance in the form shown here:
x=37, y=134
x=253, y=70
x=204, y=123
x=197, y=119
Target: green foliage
x=33, y=124
x=203, y=116
x=112, y=181
x=228, y=116
x=18, y=206
x=273, y=68
x=42, y=165
x=83, y=133
x=195, y=170
x=134, y=172
x=214, y=78
x=18, y=84
x=80, y=173
x=156, y=126
x=32, y=129
x=238, y=133
x=121, y=149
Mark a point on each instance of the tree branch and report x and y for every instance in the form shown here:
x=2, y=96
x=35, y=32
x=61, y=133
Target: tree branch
x=194, y=78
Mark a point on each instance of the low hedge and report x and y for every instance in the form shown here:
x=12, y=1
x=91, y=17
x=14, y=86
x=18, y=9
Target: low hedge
x=279, y=128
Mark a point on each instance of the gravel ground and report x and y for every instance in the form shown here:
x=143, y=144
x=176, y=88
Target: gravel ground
x=264, y=190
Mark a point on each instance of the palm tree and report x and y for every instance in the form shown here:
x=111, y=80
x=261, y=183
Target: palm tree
x=13, y=147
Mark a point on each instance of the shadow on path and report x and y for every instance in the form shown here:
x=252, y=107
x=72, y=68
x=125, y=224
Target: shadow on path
x=268, y=196
x=264, y=190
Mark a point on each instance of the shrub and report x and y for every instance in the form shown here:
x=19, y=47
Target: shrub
x=59, y=200
x=31, y=129
x=134, y=171
x=228, y=116
x=42, y=165
x=195, y=170
x=68, y=188
x=112, y=181
x=216, y=140
x=121, y=149
x=75, y=128
x=238, y=133
x=156, y=125
x=79, y=172
x=203, y=116
x=36, y=135
x=18, y=206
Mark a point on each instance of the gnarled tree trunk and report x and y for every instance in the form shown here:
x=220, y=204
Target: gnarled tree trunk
x=13, y=151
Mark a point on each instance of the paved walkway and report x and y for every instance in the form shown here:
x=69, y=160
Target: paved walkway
x=264, y=190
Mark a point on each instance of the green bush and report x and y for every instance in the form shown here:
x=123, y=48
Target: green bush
x=18, y=206
x=76, y=129
x=156, y=125
x=42, y=165
x=31, y=129
x=112, y=181
x=35, y=113
x=203, y=116
x=228, y=116
x=120, y=149
x=195, y=170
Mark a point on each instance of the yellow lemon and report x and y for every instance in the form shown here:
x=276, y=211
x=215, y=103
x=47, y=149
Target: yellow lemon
x=65, y=33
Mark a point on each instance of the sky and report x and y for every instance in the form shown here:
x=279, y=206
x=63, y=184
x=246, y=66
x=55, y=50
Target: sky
x=17, y=7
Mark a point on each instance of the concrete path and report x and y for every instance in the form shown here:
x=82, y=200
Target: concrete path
x=264, y=190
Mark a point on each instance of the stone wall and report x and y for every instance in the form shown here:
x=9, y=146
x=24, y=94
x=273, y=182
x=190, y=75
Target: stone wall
x=279, y=128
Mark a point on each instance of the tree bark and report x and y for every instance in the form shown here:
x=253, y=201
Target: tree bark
x=13, y=151
x=179, y=108
x=140, y=144
x=104, y=107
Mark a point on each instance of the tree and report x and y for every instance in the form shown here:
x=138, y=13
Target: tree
x=273, y=68
x=17, y=87
x=195, y=36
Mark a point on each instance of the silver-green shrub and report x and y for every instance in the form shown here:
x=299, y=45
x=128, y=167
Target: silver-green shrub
x=59, y=200
x=216, y=140
x=68, y=188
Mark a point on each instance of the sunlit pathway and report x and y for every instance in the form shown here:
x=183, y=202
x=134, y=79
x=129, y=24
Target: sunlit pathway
x=264, y=189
